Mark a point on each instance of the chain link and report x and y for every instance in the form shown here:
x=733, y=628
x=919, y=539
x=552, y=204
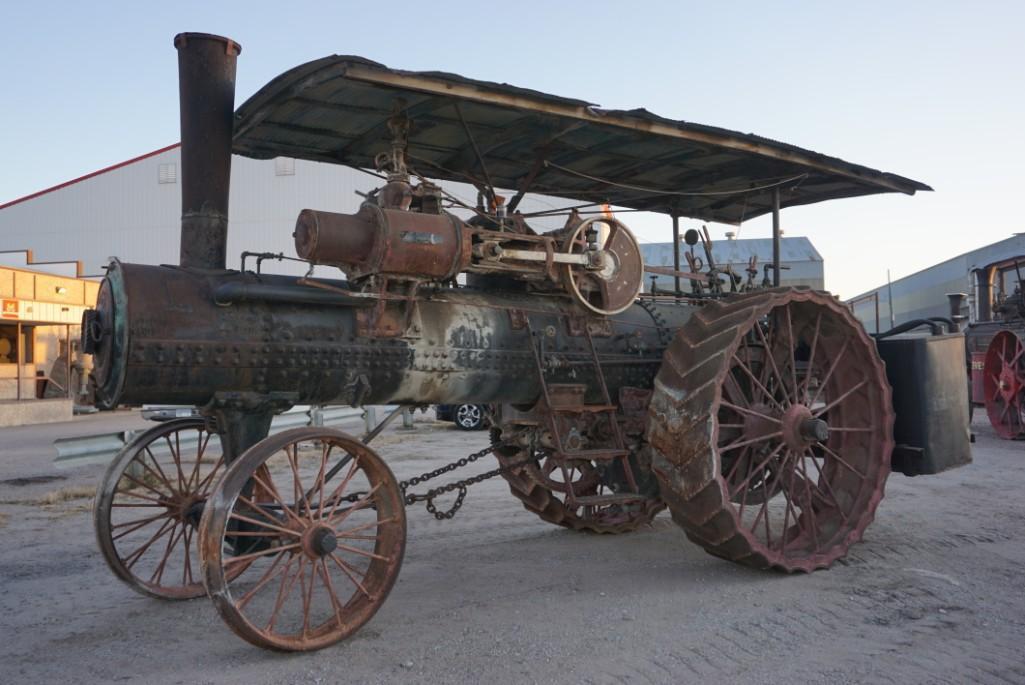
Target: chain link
x=460, y=485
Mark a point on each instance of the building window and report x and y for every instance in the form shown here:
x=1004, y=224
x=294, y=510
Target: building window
x=168, y=173
x=284, y=166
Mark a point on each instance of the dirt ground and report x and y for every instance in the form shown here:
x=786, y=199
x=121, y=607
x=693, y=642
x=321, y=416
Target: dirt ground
x=935, y=594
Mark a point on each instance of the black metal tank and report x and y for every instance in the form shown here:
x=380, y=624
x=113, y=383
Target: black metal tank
x=166, y=334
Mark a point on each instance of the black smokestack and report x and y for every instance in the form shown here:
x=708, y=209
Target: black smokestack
x=206, y=85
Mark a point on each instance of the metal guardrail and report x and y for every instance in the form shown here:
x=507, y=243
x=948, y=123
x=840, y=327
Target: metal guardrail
x=101, y=448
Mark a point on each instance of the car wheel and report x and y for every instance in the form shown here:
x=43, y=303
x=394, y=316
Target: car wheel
x=469, y=417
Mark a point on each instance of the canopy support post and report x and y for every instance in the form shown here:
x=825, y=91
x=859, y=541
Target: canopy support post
x=775, y=237
x=676, y=254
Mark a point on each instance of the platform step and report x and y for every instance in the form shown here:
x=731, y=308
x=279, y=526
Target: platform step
x=602, y=500
x=593, y=455
x=587, y=408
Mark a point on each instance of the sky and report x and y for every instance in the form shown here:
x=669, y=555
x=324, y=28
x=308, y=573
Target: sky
x=934, y=91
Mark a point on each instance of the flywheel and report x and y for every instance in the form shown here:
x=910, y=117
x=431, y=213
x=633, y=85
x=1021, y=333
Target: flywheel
x=771, y=425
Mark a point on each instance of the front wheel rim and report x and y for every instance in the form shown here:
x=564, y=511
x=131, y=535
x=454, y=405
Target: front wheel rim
x=321, y=547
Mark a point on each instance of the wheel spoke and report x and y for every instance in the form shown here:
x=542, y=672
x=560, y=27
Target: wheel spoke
x=263, y=524
x=135, y=524
x=744, y=410
x=360, y=504
x=187, y=571
x=761, y=466
x=307, y=596
x=822, y=410
x=134, y=557
x=262, y=553
x=136, y=495
x=351, y=573
x=163, y=475
x=319, y=485
x=200, y=450
x=772, y=359
x=138, y=459
x=293, y=462
x=272, y=490
x=808, y=511
x=267, y=577
x=158, y=574
x=362, y=552
x=176, y=457
x=841, y=460
x=145, y=485
x=336, y=495
x=283, y=593
x=811, y=356
x=765, y=391
x=792, y=355
x=364, y=526
x=751, y=441
x=329, y=584
x=829, y=374
x=825, y=481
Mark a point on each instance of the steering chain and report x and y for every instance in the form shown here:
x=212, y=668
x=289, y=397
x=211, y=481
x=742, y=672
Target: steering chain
x=460, y=485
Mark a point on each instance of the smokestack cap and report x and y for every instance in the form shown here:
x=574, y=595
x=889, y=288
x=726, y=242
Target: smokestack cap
x=230, y=47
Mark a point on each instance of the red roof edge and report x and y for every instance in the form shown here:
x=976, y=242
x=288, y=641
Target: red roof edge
x=104, y=170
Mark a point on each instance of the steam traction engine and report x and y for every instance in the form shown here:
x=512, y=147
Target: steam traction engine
x=996, y=345
x=763, y=419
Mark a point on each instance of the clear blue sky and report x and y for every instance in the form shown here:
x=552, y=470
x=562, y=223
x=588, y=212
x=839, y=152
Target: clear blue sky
x=930, y=90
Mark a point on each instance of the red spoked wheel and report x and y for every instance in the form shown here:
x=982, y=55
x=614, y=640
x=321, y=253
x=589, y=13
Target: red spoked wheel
x=149, y=503
x=771, y=424
x=1003, y=383
x=303, y=539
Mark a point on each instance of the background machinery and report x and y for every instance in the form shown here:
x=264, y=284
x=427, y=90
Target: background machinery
x=995, y=341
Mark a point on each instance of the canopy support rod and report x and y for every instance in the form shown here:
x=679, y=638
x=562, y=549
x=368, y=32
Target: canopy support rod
x=676, y=253
x=775, y=237
x=476, y=151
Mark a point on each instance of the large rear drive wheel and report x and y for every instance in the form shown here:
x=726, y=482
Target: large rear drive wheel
x=772, y=428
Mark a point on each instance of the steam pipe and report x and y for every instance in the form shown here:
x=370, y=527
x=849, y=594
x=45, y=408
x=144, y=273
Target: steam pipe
x=206, y=89
x=235, y=292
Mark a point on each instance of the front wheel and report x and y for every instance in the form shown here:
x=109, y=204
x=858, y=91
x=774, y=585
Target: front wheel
x=148, y=505
x=303, y=539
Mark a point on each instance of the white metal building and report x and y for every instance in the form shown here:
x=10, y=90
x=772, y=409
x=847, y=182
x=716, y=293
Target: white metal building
x=132, y=210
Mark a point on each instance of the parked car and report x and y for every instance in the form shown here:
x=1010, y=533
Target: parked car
x=467, y=417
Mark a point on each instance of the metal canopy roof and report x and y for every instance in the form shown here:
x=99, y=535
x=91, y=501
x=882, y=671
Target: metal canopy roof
x=336, y=110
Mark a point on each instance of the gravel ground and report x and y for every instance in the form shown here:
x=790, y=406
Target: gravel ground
x=935, y=594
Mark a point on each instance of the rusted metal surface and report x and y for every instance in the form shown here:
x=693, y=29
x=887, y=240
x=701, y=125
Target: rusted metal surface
x=386, y=242
x=295, y=560
x=206, y=78
x=772, y=446
x=335, y=110
x=303, y=535
x=178, y=346
x=148, y=507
